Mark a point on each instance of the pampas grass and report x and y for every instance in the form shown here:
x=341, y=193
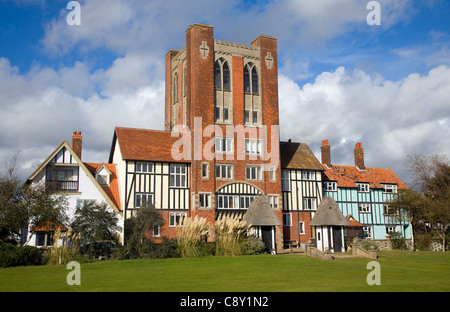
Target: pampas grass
x=63, y=254
x=191, y=235
x=230, y=232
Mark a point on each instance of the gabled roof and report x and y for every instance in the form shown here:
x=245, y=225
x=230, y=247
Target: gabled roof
x=260, y=213
x=353, y=222
x=111, y=196
x=348, y=176
x=144, y=144
x=112, y=190
x=298, y=156
x=328, y=213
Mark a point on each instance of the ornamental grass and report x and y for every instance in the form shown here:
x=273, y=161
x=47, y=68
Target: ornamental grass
x=191, y=236
x=230, y=232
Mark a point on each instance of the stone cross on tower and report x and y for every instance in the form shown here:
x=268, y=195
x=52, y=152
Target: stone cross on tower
x=204, y=49
x=269, y=60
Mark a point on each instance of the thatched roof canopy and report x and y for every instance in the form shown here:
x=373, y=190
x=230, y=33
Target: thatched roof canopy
x=260, y=213
x=328, y=213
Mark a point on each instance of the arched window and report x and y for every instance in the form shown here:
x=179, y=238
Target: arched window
x=175, y=88
x=222, y=78
x=254, y=80
x=250, y=78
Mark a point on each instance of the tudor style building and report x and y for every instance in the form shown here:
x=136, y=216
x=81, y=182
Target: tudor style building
x=362, y=194
x=82, y=183
x=220, y=146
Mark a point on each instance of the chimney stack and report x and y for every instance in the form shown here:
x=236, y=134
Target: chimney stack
x=359, y=156
x=77, y=140
x=326, y=154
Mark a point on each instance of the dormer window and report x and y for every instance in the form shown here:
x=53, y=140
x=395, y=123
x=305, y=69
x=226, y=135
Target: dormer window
x=363, y=187
x=103, y=175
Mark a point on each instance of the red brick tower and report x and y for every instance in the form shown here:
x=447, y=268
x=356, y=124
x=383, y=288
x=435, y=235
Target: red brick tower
x=225, y=96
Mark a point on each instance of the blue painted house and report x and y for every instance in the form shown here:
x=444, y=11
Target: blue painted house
x=362, y=194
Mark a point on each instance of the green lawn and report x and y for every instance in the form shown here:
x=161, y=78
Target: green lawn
x=400, y=271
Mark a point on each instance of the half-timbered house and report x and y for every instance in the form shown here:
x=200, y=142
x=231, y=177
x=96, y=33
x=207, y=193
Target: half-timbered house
x=81, y=182
x=363, y=192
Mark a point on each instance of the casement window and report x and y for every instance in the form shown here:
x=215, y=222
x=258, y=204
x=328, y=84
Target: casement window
x=253, y=173
x=224, y=171
x=287, y=219
x=156, y=230
x=308, y=175
x=143, y=199
x=330, y=186
x=309, y=203
x=363, y=187
x=178, y=175
x=390, y=229
x=205, y=170
x=102, y=179
x=273, y=201
x=84, y=202
x=224, y=145
x=364, y=208
x=367, y=232
x=245, y=201
x=285, y=180
x=253, y=146
x=228, y=202
x=390, y=211
x=204, y=200
x=145, y=167
x=301, y=228
x=272, y=174
x=176, y=218
x=389, y=188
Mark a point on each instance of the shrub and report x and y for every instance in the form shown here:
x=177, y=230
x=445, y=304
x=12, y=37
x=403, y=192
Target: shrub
x=423, y=243
x=253, y=245
x=11, y=255
x=367, y=244
x=397, y=240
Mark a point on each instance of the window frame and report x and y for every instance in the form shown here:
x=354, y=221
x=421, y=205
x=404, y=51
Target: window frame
x=176, y=216
x=183, y=176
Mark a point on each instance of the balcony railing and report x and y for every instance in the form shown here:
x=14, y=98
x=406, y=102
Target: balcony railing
x=67, y=186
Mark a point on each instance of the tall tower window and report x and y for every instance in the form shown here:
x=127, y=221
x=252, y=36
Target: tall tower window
x=222, y=75
x=250, y=78
x=175, y=88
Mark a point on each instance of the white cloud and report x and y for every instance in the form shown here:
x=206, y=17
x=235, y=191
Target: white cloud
x=44, y=106
x=391, y=118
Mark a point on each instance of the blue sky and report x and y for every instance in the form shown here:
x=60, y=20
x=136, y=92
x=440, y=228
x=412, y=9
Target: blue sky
x=340, y=79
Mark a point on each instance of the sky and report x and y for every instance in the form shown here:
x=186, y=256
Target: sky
x=340, y=77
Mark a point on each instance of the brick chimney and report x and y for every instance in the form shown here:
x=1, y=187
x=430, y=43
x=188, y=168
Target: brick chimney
x=326, y=155
x=359, y=156
x=77, y=140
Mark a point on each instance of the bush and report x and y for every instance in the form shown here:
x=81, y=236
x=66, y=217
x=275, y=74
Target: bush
x=11, y=255
x=367, y=244
x=253, y=246
x=397, y=240
x=423, y=243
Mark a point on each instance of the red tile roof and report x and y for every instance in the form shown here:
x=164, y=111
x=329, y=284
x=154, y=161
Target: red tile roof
x=112, y=190
x=143, y=144
x=347, y=176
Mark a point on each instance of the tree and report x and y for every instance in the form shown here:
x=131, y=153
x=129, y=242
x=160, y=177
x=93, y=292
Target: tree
x=24, y=205
x=139, y=228
x=95, y=222
x=431, y=176
x=411, y=205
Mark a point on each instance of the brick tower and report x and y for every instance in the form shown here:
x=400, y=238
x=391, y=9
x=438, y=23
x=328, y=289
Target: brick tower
x=224, y=97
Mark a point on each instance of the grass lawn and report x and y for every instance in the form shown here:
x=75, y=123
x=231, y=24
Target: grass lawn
x=400, y=271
